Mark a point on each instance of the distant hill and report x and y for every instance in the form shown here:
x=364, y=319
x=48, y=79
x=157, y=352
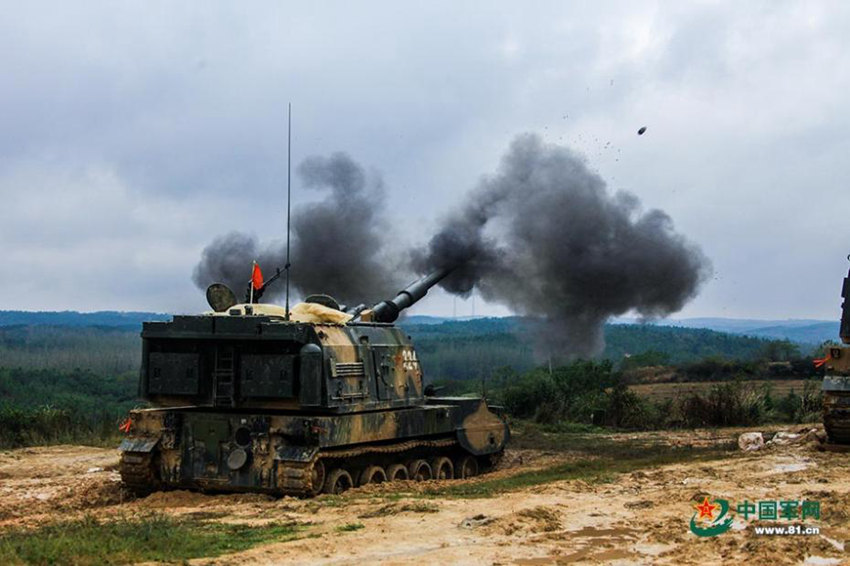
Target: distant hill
x=809, y=334
x=736, y=325
x=73, y=318
x=423, y=319
x=459, y=350
x=474, y=327
x=803, y=331
x=427, y=319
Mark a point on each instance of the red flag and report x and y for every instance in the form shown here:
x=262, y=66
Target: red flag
x=823, y=360
x=125, y=426
x=257, y=277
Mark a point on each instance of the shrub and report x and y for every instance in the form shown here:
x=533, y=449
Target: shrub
x=805, y=407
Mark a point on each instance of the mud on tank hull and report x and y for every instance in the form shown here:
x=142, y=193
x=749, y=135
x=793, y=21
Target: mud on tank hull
x=306, y=454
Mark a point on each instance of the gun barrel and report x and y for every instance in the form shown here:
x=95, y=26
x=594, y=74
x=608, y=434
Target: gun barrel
x=388, y=311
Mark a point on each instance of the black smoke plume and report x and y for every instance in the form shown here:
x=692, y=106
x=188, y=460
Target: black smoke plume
x=337, y=244
x=546, y=238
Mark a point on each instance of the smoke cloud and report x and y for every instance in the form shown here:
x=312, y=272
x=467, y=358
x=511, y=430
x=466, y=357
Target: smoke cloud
x=543, y=236
x=546, y=238
x=338, y=244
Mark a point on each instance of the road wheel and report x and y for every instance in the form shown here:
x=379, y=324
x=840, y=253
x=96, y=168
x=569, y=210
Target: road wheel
x=397, y=472
x=317, y=474
x=373, y=474
x=419, y=470
x=466, y=467
x=442, y=468
x=338, y=481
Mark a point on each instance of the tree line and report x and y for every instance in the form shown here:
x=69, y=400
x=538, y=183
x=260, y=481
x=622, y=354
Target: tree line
x=66, y=383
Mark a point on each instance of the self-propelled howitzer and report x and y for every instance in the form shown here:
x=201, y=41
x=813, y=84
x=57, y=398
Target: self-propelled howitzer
x=250, y=399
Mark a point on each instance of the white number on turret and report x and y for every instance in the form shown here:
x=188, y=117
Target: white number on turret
x=409, y=360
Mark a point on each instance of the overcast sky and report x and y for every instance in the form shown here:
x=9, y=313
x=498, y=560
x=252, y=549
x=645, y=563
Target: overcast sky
x=133, y=133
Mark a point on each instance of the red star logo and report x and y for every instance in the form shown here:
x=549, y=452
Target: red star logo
x=706, y=509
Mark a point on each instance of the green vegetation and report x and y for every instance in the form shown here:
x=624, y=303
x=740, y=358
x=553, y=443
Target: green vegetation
x=125, y=540
x=460, y=354
x=593, y=393
x=348, y=527
x=464, y=357
x=82, y=391
x=76, y=383
x=42, y=406
x=62, y=384
x=100, y=350
x=49, y=425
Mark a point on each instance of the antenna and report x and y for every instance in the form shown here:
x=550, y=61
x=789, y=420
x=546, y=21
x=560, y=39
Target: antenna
x=288, y=201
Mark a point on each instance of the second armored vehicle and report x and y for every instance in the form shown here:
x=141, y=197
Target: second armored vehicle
x=836, y=382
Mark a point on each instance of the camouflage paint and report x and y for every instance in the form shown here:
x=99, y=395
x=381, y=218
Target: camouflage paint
x=253, y=402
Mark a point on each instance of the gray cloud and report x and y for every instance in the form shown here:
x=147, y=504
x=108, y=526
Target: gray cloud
x=182, y=109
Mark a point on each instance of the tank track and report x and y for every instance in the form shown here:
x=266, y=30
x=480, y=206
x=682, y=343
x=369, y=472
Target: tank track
x=138, y=472
x=836, y=416
x=139, y=475
x=298, y=476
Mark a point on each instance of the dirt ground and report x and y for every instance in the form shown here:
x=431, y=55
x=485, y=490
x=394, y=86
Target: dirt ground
x=640, y=517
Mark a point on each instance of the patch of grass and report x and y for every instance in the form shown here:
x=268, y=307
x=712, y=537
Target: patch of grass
x=595, y=469
x=330, y=500
x=154, y=537
x=348, y=527
x=326, y=500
